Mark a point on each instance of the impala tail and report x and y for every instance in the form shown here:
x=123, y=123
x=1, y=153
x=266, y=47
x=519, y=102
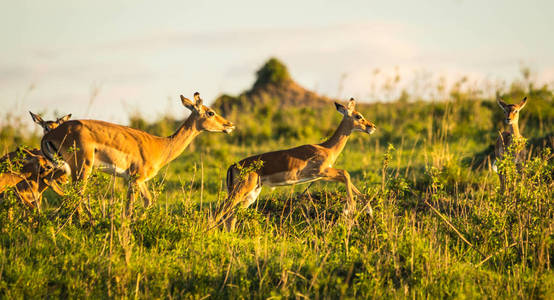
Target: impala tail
x=230, y=177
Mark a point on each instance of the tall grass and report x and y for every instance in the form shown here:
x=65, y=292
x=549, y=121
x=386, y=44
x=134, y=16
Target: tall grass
x=439, y=229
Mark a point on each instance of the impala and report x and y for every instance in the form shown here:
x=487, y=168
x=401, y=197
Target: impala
x=126, y=152
x=28, y=172
x=302, y=164
x=511, y=113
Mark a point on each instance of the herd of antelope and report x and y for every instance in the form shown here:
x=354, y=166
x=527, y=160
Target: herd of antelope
x=73, y=148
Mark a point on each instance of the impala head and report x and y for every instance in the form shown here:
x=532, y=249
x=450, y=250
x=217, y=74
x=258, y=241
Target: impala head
x=511, y=111
x=42, y=175
x=49, y=125
x=206, y=118
x=358, y=122
x=45, y=169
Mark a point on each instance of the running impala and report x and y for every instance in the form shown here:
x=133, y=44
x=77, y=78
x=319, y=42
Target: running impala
x=511, y=113
x=302, y=164
x=126, y=152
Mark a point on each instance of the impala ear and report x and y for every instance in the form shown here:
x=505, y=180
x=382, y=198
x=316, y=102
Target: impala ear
x=501, y=103
x=64, y=119
x=187, y=103
x=36, y=118
x=351, y=105
x=522, y=103
x=198, y=101
x=341, y=108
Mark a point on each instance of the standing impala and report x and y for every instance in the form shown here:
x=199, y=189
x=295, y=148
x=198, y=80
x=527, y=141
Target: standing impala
x=126, y=152
x=302, y=164
x=511, y=112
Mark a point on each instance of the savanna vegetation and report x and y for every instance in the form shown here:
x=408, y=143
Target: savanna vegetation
x=440, y=227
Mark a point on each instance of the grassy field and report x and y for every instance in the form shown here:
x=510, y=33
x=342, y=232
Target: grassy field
x=440, y=228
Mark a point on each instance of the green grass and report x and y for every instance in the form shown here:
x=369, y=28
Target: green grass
x=290, y=245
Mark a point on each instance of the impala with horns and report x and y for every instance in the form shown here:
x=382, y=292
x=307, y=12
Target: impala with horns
x=126, y=152
x=511, y=114
x=29, y=173
x=302, y=164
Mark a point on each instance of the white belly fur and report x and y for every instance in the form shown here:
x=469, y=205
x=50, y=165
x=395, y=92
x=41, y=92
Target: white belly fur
x=109, y=168
x=290, y=181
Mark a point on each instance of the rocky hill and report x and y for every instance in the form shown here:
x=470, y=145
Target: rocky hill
x=273, y=85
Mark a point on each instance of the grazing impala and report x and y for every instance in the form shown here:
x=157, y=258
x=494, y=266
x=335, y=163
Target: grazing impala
x=126, y=152
x=511, y=112
x=302, y=164
x=29, y=172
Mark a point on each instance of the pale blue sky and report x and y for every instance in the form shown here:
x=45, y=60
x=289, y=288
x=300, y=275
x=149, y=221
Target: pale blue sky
x=143, y=54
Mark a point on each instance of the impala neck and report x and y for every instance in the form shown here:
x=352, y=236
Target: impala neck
x=338, y=140
x=178, y=142
x=514, y=129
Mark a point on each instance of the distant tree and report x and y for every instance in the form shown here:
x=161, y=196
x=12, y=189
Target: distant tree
x=273, y=71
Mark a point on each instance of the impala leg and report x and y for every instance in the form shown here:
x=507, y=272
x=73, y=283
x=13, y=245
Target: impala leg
x=55, y=185
x=355, y=190
x=131, y=193
x=26, y=199
x=35, y=193
x=80, y=168
x=145, y=193
x=358, y=193
x=55, y=181
x=24, y=192
x=249, y=199
x=43, y=185
x=244, y=193
x=338, y=175
x=84, y=169
x=80, y=162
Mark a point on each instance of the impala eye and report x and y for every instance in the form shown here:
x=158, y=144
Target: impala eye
x=210, y=113
x=359, y=117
